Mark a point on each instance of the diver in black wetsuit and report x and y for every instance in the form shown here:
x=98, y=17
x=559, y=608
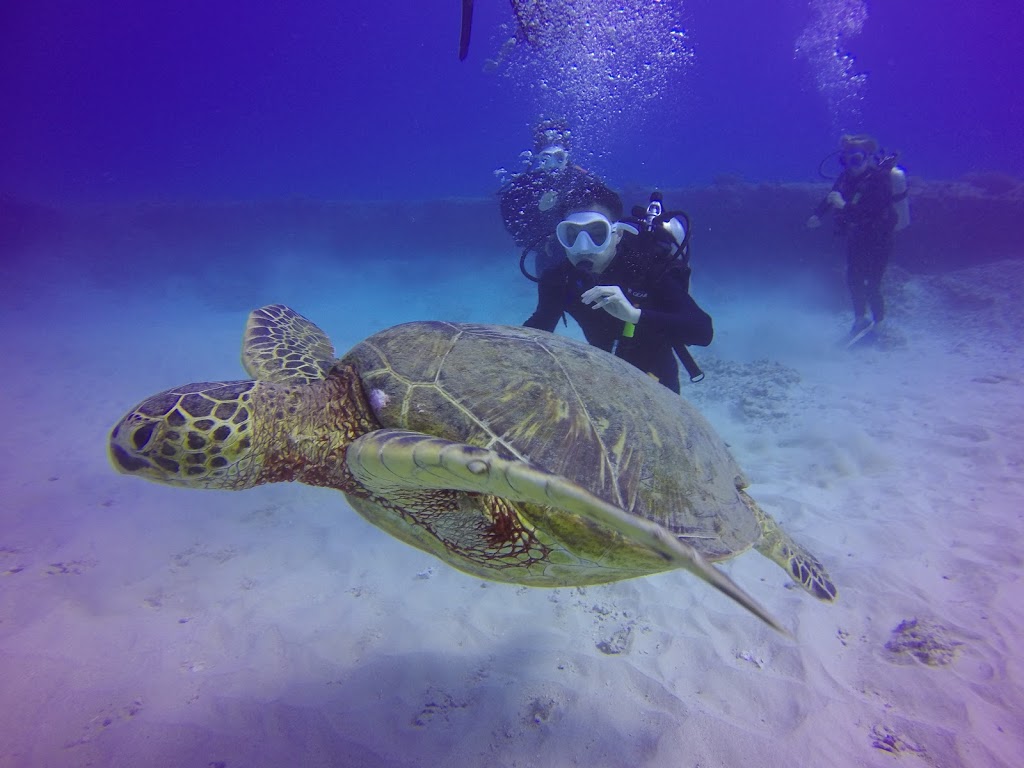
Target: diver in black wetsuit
x=534, y=201
x=627, y=285
x=866, y=198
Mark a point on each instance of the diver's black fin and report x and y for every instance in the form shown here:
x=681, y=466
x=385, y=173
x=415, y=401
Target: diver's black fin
x=467, y=26
x=854, y=338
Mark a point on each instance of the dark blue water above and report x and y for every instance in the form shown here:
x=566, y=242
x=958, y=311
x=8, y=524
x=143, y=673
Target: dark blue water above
x=347, y=100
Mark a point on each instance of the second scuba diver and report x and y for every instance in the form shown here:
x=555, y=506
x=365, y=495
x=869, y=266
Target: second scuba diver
x=627, y=284
x=535, y=200
x=869, y=200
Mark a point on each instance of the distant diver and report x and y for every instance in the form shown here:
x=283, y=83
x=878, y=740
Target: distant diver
x=869, y=203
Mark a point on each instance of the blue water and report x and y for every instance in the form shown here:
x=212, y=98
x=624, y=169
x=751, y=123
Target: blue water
x=115, y=101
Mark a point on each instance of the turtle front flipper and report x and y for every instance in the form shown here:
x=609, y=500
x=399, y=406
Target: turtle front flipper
x=387, y=461
x=283, y=346
x=777, y=546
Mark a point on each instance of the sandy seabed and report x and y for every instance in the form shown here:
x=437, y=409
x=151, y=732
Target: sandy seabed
x=147, y=625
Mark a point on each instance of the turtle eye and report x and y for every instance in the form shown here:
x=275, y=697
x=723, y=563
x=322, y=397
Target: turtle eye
x=142, y=435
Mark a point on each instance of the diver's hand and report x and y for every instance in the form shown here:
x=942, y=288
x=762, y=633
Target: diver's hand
x=836, y=200
x=814, y=222
x=611, y=299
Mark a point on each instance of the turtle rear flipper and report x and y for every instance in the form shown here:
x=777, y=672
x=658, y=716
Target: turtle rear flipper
x=777, y=546
x=283, y=346
x=390, y=459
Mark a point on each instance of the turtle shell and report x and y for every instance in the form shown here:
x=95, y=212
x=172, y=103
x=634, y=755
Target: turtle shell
x=569, y=408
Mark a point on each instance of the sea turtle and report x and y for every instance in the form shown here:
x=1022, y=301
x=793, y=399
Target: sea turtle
x=512, y=454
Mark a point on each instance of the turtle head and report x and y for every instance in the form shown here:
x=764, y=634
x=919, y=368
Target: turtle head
x=197, y=436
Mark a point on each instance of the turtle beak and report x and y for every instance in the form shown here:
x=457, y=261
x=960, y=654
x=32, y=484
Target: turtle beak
x=131, y=449
x=124, y=462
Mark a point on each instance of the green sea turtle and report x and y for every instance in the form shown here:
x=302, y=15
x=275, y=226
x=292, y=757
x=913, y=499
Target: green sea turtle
x=512, y=454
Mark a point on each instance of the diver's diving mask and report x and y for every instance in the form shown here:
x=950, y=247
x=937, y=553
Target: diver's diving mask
x=854, y=159
x=589, y=236
x=552, y=159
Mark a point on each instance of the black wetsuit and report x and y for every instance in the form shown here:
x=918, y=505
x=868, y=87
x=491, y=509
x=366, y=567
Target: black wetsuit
x=670, y=319
x=868, y=221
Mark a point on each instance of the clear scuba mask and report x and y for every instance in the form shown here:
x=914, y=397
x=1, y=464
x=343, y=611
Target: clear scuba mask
x=588, y=231
x=552, y=159
x=590, y=236
x=854, y=160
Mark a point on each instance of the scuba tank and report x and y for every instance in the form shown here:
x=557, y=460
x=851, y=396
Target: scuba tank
x=900, y=203
x=669, y=229
x=670, y=233
x=898, y=185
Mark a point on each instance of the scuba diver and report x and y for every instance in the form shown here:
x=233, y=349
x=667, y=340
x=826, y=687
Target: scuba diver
x=627, y=284
x=869, y=200
x=534, y=201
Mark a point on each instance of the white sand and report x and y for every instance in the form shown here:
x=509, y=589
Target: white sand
x=144, y=625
